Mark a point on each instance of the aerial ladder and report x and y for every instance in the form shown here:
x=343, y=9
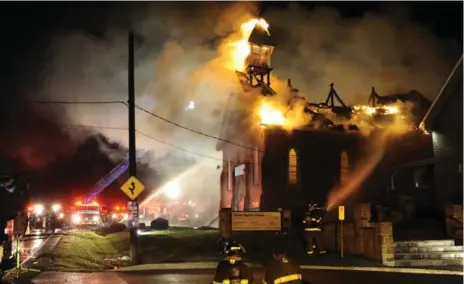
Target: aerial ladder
x=112, y=176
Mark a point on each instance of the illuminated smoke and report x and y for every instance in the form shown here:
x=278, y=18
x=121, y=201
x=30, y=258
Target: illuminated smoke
x=181, y=56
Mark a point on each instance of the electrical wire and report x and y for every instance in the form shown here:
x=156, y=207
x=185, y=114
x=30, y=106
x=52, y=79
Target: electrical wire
x=78, y=102
x=149, y=137
x=196, y=131
x=152, y=114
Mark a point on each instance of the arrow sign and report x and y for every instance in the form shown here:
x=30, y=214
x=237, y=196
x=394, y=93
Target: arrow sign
x=132, y=188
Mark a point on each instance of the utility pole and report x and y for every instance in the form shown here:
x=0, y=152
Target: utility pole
x=132, y=155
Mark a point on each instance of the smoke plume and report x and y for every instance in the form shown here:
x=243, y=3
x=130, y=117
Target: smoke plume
x=182, y=55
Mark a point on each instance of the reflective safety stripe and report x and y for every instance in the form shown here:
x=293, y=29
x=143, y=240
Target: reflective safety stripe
x=288, y=278
x=227, y=281
x=312, y=229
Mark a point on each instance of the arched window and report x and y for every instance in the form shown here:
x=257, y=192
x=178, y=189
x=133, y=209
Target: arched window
x=292, y=167
x=344, y=167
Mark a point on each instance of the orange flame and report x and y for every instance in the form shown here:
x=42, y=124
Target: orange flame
x=368, y=110
x=270, y=115
x=241, y=48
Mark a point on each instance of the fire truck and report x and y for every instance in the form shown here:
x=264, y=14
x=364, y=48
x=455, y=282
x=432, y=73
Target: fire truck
x=45, y=216
x=89, y=214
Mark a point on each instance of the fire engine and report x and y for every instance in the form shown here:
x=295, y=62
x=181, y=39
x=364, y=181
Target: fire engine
x=45, y=216
x=85, y=214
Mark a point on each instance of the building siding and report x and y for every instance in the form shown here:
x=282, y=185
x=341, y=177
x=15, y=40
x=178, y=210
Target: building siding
x=447, y=133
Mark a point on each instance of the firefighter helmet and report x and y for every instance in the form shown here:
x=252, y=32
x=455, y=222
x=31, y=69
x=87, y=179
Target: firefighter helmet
x=233, y=248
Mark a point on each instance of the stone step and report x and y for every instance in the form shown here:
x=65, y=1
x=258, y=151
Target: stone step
x=430, y=255
x=409, y=249
x=425, y=243
x=428, y=262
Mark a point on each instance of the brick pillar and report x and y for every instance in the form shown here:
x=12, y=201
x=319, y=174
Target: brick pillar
x=362, y=215
x=384, y=245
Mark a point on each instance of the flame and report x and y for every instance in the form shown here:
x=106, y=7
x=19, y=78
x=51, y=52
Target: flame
x=382, y=110
x=270, y=115
x=241, y=48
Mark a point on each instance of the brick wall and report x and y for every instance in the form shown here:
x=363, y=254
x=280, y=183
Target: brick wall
x=361, y=237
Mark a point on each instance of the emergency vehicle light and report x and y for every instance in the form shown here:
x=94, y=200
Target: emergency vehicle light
x=78, y=203
x=56, y=207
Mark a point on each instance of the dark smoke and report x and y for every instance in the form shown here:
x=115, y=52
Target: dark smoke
x=177, y=61
x=385, y=50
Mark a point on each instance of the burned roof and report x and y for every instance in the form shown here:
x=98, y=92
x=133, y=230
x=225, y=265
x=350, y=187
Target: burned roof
x=261, y=36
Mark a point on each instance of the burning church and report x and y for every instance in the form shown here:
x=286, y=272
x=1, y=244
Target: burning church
x=285, y=151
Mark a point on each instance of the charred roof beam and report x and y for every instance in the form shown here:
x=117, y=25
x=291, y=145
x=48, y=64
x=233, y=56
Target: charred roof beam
x=332, y=97
x=373, y=98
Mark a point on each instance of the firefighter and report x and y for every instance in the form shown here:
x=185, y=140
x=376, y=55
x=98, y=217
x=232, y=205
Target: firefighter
x=232, y=269
x=313, y=228
x=282, y=269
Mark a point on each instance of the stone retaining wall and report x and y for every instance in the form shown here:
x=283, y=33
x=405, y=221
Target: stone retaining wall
x=361, y=237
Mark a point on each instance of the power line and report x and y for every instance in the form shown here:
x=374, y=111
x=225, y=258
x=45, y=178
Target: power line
x=78, y=102
x=148, y=136
x=94, y=126
x=153, y=114
x=178, y=148
x=196, y=131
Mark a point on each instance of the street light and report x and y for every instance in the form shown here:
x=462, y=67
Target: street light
x=172, y=190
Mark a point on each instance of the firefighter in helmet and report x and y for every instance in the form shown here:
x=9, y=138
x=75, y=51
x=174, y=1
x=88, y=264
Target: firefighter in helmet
x=282, y=269
x=313, y=228
x=232, y=269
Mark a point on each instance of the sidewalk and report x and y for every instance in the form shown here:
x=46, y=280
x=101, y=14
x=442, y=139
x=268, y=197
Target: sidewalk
x=212, y=266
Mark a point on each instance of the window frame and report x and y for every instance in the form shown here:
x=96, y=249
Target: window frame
x=297, y=168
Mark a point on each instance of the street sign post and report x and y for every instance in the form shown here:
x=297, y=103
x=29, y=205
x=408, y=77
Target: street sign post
x=133, y=213
x=341, y=217
x=132, y=188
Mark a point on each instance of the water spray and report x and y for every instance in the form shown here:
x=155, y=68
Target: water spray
x=341, y=192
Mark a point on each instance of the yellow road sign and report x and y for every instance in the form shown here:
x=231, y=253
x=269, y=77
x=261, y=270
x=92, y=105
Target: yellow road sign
x=132, y=187
x=341, y=213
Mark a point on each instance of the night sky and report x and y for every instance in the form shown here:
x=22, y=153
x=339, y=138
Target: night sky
x=26, y=28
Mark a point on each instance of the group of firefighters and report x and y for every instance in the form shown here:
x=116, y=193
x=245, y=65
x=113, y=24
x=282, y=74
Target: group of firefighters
x=233, y=270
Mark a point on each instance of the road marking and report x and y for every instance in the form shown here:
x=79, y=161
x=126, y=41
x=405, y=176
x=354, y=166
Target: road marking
x=212, y=265
x=73, y=277
x=386, y=269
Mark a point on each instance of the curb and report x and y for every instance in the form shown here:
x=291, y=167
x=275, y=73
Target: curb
x=212, y=265
x=385, y=269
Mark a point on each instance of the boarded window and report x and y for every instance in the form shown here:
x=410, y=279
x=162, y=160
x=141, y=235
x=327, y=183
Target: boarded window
x=292, y=167
x=344, y=167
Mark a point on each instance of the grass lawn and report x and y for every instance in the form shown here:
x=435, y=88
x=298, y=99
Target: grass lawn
x=85, y=251
x=181, y=245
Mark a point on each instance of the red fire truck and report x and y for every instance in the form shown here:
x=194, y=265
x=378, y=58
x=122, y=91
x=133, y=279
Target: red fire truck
x=88, y=214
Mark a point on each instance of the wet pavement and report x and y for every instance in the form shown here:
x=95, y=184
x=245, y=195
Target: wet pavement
x=200, y=277
x=35, y=244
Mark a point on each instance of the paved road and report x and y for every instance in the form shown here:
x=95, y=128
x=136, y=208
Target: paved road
x=314, y=276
